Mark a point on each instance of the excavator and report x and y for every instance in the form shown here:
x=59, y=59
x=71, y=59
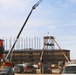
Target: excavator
x=7, y=61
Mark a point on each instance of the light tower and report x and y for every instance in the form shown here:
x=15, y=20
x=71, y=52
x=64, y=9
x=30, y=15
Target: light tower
x=48, y=42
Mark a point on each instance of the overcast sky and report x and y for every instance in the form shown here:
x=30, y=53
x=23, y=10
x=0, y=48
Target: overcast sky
x=58, y=17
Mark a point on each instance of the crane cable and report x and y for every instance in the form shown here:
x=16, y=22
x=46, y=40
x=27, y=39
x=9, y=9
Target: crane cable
x=34, y=7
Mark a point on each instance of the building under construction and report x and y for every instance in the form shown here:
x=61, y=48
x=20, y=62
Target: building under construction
x=29, y=55
x=50, y=54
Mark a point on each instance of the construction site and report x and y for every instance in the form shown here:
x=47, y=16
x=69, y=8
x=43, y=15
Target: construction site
x=50, y=54
x=47, y=55
x=29, y=51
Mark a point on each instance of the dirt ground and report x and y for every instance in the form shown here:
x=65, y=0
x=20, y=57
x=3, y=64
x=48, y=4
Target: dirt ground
x=37, y=74
x=54, y=71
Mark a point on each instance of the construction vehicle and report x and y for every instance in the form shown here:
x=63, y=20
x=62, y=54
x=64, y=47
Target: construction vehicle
x=69, y=68
x=7, y=61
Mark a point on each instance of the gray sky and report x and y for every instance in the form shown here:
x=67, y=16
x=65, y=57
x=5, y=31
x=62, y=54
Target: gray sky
x=58, y=17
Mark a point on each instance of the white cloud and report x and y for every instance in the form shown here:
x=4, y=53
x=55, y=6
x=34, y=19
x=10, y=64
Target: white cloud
x=52, y=27
x=16, y=4
x=72, y=1
x=65, y=3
